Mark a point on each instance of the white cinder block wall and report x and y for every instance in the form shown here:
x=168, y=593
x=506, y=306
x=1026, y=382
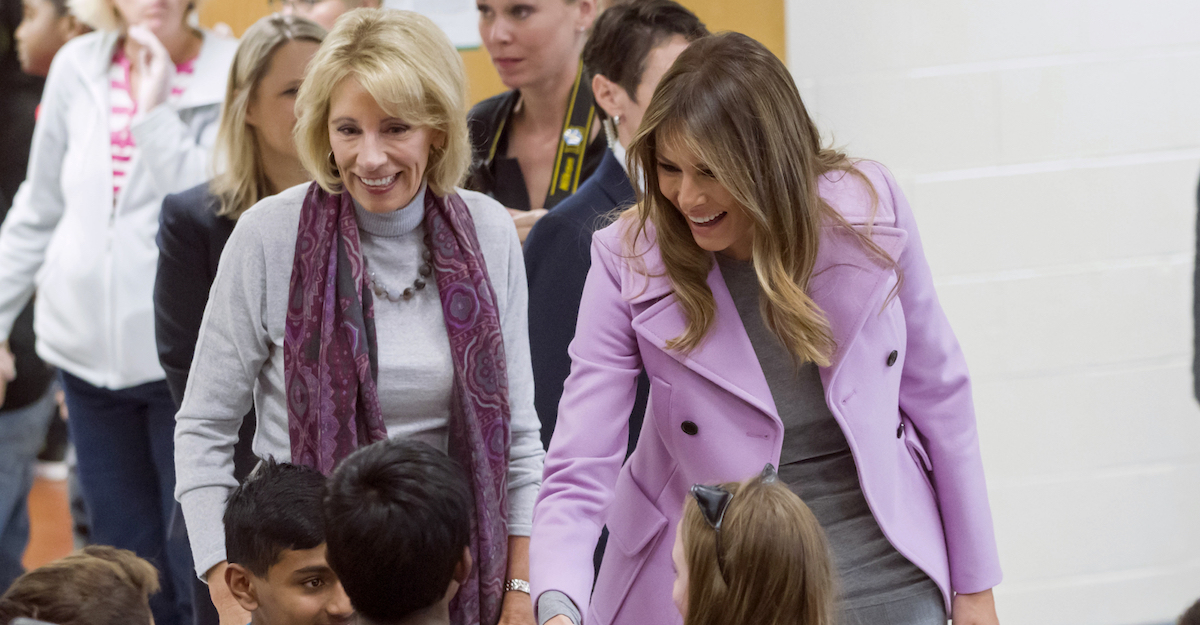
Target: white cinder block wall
x=1051, y=150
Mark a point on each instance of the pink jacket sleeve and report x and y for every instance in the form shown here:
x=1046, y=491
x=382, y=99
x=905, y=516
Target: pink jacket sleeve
x=935, y=393
x=590, y=439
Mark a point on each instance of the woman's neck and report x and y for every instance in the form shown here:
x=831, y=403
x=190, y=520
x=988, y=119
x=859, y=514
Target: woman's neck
x=544, y=104
x=282, y=171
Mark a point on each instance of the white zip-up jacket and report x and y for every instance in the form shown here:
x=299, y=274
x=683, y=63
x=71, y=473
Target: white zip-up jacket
x=91, y=262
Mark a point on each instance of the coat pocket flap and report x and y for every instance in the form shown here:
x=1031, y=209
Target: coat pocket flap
x=634, y=521
x=913, y=441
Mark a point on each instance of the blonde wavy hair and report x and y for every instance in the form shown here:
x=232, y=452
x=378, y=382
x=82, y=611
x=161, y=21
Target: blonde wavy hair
x=776, y=560
x=243, y=180
x=731, y=103
x=411, y=69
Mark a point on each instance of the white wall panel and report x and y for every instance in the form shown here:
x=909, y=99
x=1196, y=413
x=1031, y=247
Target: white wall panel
x=1051, y=150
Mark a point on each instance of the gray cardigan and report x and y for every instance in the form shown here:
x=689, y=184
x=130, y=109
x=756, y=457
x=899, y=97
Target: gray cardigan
x=239, y=356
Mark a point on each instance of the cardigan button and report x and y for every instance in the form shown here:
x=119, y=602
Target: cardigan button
x=689, y=428
x=892, y=357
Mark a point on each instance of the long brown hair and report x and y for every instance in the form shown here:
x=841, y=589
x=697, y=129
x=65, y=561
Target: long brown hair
x=99, y=585
x=734, y=105
x=776, y=560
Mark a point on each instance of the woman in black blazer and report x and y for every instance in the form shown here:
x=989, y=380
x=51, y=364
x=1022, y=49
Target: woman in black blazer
x=255, y=149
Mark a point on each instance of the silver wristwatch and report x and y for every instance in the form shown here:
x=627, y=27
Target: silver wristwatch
x=518, y=585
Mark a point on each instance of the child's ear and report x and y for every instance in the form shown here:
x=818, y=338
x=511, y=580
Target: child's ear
x=241, y=584
x=462, y=570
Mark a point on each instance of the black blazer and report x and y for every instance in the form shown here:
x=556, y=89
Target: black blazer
x=557, y=260
x=191, y=237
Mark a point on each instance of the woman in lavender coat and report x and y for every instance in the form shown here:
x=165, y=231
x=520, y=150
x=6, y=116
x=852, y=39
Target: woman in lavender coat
x=778, y=297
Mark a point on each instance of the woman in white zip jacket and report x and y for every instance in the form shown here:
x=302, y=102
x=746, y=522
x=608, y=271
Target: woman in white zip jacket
x=128, y=115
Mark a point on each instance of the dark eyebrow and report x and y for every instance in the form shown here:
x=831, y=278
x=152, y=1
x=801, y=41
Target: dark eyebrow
x=343, y=119
x=309, y=570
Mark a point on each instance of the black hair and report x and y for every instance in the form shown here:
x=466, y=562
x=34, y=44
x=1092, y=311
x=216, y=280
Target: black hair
x=397, y=517
x=60, y=7
x=278, y=507
x=624, y=34
x=1192, y=615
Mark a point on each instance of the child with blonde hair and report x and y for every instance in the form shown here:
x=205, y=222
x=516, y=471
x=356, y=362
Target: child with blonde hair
x=751, y=553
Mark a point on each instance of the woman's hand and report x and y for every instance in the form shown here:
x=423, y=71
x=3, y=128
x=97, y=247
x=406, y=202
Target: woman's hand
x=977, y=608
x=154, y=69
x=524, y=220
x=230, y=611
x=517, y=609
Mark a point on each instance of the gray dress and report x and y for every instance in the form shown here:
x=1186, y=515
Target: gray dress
x=877, y=584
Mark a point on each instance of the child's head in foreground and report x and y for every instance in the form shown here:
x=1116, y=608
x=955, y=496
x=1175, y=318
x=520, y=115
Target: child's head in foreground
x=751, y=553
x=275, y=546
x=98, y=585
x=398, y=523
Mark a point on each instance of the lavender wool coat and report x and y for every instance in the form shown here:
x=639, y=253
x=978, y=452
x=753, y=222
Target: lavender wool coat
x=909, y=420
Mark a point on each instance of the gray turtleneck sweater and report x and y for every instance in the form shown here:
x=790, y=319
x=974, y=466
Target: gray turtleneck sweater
x=239, y=355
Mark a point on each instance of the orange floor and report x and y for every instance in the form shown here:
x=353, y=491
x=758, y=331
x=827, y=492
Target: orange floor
x=50, y=523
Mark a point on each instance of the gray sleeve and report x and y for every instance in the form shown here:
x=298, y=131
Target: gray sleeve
x=232, y=346
x=526, y=454
x=553, y=603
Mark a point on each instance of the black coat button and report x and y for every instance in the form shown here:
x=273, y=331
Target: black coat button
x=892, y=357
x=689, y=428
x=900, y=430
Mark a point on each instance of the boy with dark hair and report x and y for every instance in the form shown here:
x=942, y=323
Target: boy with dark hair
x=399, y=529
x=275, y=544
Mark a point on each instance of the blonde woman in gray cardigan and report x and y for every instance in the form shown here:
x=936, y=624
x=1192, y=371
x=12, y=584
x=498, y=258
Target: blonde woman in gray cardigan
x=128, y=115
x=379, y=301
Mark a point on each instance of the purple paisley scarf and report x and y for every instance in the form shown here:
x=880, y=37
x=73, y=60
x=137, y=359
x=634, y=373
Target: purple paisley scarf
x=330, y=364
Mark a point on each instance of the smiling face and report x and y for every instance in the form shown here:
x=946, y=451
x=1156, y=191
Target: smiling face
x=301, y=589
x=531, y=41
x=272, y=109
x=717, y=221
x=381, y=158
x=164, y=18
x=679, y=563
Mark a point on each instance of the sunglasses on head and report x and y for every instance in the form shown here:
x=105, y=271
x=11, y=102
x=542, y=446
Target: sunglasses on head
x=714, y=501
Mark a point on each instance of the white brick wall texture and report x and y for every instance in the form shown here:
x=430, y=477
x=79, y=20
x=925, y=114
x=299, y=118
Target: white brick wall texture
x=1051, y=150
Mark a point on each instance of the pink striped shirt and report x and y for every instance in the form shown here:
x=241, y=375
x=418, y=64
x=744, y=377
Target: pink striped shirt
x=124, y=107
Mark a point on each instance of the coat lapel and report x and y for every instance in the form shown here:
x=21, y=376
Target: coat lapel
x=846, y=284
x=725, y=357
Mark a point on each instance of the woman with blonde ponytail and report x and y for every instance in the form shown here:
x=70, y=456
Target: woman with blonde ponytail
x=777, y=295
x=256, y=158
